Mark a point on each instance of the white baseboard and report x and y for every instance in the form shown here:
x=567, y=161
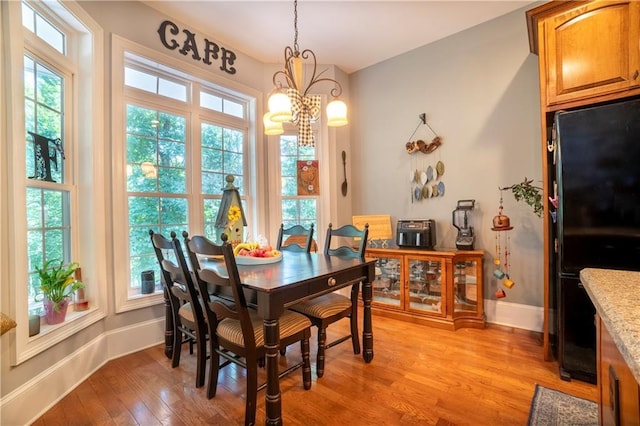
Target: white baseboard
x=514, y=314
x=28, y=402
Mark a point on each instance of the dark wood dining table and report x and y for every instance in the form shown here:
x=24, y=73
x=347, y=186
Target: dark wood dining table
x=298, y=277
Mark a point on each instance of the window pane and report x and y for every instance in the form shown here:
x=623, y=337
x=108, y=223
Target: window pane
x=43, y=93
x=140, y=80
x=35, y=23
x=48, y=226
x=172, y=90
x=49, y=34
x=156, y=152
x=233, y=108
x=210, y=101
x=28, y=18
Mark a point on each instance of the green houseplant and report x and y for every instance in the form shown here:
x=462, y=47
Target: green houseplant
x=58, y=283
x=530, y=194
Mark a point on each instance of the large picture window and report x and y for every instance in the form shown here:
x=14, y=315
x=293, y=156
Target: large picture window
x=183, y=137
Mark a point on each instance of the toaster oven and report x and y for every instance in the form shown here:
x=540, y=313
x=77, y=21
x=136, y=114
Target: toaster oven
x=416, y=233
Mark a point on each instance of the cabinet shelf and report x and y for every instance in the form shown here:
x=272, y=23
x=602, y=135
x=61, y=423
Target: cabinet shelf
x=437, y=288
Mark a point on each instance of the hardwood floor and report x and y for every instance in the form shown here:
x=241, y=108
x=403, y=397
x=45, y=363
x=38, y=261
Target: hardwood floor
x=419, y=376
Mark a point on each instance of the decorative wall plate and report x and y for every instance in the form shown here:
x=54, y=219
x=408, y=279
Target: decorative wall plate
x=429, y=173
x=439, y=169
x=441, y=188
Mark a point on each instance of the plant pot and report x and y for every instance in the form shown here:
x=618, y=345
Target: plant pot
x=51, y=315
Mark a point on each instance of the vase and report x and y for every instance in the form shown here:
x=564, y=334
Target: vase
x=51, y=315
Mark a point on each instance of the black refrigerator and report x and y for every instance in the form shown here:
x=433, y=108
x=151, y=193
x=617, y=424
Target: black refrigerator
x=598, y=218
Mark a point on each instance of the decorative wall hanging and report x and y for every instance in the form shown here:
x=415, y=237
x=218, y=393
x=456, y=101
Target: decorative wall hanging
x=502, y=226
x=424, y=174
x=308, y=177
x=209, y=51
x=45, y=153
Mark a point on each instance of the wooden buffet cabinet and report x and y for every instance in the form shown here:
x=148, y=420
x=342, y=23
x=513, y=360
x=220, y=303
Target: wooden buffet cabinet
x=438, y=288
x=588, y=54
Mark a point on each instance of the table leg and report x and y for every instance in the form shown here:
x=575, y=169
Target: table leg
x=273, y=399
x=367, y=332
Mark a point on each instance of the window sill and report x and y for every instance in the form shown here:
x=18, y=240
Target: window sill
x=50, y=335
x=139, y=301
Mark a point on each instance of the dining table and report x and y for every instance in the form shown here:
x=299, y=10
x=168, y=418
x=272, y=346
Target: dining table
x=280, y=283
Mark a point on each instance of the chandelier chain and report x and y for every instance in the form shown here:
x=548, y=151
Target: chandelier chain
x=295, y=26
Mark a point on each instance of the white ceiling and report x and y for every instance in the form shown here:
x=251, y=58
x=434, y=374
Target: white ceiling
x=350, y=34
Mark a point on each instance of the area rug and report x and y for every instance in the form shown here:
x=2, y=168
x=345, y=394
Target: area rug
x=552, y=407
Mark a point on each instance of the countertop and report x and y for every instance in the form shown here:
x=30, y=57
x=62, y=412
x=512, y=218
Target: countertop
x=616, y=297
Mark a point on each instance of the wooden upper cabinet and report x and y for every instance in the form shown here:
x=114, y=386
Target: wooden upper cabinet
x=587, y=49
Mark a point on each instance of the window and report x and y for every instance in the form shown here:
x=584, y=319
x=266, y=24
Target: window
x=178, y=151
x=296, y=209
x=50, y=150
x=49, y=190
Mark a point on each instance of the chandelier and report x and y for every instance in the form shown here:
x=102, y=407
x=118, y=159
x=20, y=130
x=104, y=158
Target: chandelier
x=292, y=102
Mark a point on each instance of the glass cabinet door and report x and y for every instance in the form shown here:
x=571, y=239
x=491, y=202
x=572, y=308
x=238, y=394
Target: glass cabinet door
x=465, y=286
x=387, y=286
x=426, y=291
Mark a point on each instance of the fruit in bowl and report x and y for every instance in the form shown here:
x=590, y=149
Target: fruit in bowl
x=255, y=250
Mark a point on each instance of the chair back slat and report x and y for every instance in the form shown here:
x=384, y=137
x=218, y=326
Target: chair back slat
x=347, y=240
x=210, y=278
x=300, y=239
x=184, y=285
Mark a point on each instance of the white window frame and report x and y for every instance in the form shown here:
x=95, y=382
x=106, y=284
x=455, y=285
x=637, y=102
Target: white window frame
x=274, y=180
x=85, y=144
x=124, y=301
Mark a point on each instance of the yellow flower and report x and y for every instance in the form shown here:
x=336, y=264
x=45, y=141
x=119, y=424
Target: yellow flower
x=234, y=214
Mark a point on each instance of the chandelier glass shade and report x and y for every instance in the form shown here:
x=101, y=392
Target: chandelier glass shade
x=271, y=128
x=291, y=101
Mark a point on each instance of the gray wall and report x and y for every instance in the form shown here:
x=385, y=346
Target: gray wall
x=479, y=90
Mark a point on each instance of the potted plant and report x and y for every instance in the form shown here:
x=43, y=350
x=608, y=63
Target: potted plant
x=530, y=194
x=57, y=285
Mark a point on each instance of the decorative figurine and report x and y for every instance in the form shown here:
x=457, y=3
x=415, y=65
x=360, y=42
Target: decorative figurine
x=231, y=220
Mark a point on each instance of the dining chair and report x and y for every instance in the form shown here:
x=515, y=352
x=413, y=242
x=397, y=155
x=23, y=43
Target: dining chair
x=236, y=332
x=299, y=239
x=329, y=308
x=186, y=311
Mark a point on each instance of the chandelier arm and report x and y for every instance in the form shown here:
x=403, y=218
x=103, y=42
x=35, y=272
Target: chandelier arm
x=335, y=92
x=277, y=84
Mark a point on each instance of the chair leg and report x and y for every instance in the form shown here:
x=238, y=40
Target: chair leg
x=201, y=360
x=252, y=392
x=355, y=339
x=177, y=348
x=306, y=364
x=322, y=341
x=214, y=368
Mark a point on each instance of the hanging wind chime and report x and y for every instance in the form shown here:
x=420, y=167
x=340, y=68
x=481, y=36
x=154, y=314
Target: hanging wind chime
x=502, y=226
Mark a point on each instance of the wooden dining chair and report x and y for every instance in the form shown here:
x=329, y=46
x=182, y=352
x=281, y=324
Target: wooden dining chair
x=186, y=311
x=298, y=239
x=236, y=332
x=329, y=308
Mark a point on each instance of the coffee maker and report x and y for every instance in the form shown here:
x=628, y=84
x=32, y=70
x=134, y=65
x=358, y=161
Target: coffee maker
x=460, y=218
